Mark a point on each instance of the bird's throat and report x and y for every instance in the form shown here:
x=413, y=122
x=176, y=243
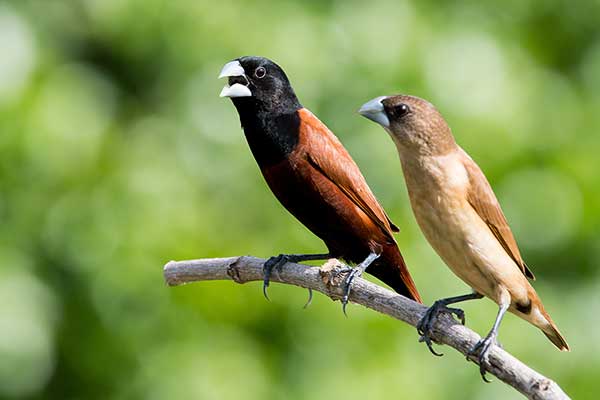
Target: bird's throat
x=271, y=137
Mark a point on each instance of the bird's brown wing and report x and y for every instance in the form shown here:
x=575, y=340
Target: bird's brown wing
x=482, y=198
x=327, y=155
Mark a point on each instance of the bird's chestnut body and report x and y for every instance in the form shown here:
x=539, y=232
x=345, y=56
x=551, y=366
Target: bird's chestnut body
x=313, y=176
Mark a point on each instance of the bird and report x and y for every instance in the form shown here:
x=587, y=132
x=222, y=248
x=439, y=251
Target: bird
x=461, y=218
x=313, y=176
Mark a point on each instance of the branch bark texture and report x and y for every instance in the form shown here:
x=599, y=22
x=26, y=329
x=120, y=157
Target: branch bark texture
x=329, y=280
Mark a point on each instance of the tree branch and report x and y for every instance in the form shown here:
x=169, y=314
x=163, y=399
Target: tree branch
x=329, y=281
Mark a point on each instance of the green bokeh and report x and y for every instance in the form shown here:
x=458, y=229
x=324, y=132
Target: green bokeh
x=117, y=155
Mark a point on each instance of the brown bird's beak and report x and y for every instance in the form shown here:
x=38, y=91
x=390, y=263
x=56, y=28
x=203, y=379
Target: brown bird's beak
x=233, y=69
x=374, y=111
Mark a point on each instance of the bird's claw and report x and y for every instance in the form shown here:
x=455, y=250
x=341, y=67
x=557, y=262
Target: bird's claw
x=273, y=263
x=352, y=274
x=277, y=263
x=460, y=314
x=310, y=297
x=429, y=343
x=483, y=348
x=425, y=325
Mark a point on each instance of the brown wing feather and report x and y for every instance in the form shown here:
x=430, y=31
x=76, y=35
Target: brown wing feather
x=483, y=200
x=330, y=158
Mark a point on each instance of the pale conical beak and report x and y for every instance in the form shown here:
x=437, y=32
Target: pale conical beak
x=237, y=90
x=234, y=68
x=374, y=111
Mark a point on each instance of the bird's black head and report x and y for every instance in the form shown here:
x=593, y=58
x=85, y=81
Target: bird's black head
x=258, y=85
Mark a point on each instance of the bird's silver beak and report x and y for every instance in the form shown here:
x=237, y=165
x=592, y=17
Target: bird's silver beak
x=374, y=111
x=234, y=68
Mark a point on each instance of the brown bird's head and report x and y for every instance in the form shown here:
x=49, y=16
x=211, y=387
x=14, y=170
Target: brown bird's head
x=413, y=123
x=258, y=85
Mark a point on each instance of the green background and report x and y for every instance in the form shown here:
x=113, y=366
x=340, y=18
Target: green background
x=117, y=155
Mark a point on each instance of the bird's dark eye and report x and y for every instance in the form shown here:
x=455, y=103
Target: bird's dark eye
x=260, y=72
x=401, y=110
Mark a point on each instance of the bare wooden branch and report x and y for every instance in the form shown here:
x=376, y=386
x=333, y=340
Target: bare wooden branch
x=328, y=280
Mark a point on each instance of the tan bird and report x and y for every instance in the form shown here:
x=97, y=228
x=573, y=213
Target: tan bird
x=460, y=216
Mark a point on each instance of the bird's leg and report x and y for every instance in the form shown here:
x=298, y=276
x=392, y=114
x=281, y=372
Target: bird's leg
x=277, y=262
x=425, y=325
x=356, y=272
x=485, y=344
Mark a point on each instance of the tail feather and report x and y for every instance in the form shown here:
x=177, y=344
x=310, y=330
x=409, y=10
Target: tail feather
x=556, y=338
x=391, y=269
x=551, y=331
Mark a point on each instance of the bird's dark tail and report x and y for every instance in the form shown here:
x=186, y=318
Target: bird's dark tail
x=391, y=270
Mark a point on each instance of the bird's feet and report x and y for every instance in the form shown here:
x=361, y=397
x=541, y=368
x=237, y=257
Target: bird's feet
x=425, y=325
x=352, y=274
x=277, y=263
x=356, y=272
x=483, y=348
x=273, y=263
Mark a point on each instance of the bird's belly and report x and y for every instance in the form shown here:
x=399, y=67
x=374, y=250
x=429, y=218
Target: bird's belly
x=466, y=244
x=319, y=204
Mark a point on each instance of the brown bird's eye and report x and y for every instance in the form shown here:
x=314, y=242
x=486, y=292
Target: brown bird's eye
x=401, y=110
x=260, y=72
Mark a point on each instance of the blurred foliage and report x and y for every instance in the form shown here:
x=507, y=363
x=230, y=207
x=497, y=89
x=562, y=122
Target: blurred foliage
x=116, y=155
